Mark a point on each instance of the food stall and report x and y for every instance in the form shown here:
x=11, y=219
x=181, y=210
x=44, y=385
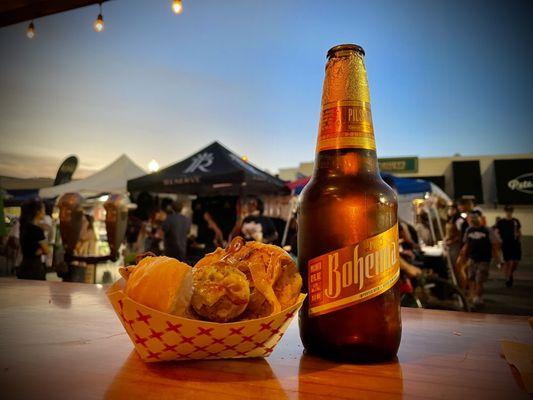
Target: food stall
x=213, y=179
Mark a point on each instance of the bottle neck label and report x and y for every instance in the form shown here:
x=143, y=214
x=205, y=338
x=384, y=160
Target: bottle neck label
x=346, y=124
x=353, y=274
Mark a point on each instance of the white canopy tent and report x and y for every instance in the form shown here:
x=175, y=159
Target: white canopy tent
x=111, y=179
x=405, y=201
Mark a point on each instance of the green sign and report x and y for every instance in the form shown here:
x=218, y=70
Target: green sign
x=399, y=164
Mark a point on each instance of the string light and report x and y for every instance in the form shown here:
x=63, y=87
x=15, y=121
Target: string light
x=30, y=32
x=245, y=158
x=177, y=6
x=99, y=23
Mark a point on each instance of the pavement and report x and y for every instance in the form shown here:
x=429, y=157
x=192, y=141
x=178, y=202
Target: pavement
x=517, y=300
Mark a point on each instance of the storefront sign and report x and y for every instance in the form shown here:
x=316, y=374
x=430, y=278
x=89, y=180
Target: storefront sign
x=514, y=181
x=522, y=183
x=400, y=164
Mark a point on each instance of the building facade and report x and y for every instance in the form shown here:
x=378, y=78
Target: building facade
x=491, y=180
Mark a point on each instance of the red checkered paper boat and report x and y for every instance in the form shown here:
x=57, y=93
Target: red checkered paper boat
x=158, y=336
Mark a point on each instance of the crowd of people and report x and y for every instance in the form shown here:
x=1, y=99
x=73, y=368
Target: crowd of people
x=32, y=239
x=472, y=246
x=167, y=229
x=162, y=228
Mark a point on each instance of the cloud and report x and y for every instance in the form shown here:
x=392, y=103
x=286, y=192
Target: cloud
x=32, y=166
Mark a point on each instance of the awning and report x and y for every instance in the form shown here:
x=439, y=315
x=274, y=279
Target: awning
x=403, y=185
x=15, y=11
x=214, y=170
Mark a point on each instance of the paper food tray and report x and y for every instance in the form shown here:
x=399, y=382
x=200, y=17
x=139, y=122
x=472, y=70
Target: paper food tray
x=158, y=336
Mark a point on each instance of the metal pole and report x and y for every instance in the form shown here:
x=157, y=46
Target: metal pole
x=289, y=218
x=431, y=228
x=439, y=224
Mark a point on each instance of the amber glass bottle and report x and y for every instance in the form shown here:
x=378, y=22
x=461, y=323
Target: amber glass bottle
x=347, y=227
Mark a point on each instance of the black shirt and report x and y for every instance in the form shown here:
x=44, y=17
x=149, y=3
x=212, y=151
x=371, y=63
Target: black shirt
x=267, y=226
x=205, y=233
x=30, y=236
x=176, y=228
x=479, y=242
x=508, y=229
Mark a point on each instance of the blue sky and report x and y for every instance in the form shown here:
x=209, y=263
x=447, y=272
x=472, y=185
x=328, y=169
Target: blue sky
x=445, y=77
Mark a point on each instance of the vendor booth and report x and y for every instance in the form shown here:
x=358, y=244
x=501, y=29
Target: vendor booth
x=93, y=195
x=111, y=179
x=408, y=189
x=213, y=181
x=212, y=171
x=415, y=197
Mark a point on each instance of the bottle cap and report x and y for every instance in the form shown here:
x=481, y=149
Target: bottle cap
x=345, y=47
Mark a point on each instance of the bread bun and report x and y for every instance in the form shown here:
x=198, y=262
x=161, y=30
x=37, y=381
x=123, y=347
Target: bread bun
x=161, y=283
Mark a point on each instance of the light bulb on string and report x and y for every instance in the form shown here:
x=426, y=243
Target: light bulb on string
x=99, y=23
x=177, y=6
x=30, y=32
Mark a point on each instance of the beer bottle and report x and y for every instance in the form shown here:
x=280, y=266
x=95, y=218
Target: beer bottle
x=347, y=227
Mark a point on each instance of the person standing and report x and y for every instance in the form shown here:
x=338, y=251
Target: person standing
x=256, y=226
x=47, y=225
x=14, y=255
x=465, y=207
x=133, y=231
x=509, y=229
x=453, y=237
x=176, y=228
x=33, y=242
x=208, y=232
x=216, y=238
x=479, y=248
x=85, y=247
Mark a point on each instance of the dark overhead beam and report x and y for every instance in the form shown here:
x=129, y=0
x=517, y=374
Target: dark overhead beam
x=15, y=11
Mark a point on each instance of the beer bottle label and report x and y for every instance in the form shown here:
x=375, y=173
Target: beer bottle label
x=346, y=124
x=353, y=274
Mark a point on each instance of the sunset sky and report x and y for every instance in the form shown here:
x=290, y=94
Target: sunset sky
x=445, y=77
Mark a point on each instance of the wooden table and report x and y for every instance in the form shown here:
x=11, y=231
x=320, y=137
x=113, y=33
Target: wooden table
x=63, y=341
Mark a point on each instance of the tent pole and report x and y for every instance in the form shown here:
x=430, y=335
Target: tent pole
x=431, y=227
x=439, y=224
x=289, y=219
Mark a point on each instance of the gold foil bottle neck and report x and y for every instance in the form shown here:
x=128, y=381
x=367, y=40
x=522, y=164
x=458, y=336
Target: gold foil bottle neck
x=346, y=117
x=346, y=79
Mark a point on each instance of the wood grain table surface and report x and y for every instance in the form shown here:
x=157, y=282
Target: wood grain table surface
x=64, y=341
